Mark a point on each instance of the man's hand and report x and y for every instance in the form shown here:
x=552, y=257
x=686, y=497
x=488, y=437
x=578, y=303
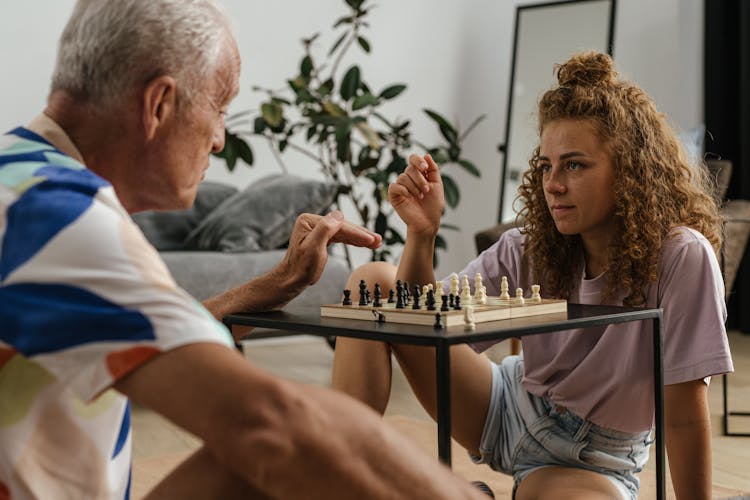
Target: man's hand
x=417, y=195
x=301, y=266
x=307, y=254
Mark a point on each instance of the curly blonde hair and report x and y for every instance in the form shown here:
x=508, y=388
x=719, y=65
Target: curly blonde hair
x=656, y=188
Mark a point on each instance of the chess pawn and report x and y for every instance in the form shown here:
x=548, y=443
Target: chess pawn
x=469, y=318
x=391, y=298
x=438, y=321
x=377, y=295
x=430, y=300
x=481, y=296
x=362, y=293
x=438, y=290
x=425, y=289
x=504, y=295
x=416, y=305
x=457, y=303
x=535, y=295
x=519, y=296
x=477, y=284
x=347, y=298
x=454, y=284
x=444, y=299
x=465, y=291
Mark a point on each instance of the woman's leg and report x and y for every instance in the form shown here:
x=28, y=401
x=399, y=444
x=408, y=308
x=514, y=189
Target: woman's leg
x=362, y=369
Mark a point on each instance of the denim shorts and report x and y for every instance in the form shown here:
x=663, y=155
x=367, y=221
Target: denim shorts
x=524, y=432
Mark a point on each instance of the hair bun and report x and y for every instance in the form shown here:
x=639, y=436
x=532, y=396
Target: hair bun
x=586, y=69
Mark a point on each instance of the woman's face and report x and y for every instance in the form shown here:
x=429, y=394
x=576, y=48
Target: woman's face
x=578, y=179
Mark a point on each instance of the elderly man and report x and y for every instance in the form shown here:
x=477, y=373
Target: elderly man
x=90, y=317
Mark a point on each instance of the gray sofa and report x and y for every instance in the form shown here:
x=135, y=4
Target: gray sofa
x=230, y=236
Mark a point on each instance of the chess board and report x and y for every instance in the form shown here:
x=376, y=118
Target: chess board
x=496, y=309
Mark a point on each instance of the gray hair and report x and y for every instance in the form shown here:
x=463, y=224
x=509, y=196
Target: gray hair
x=110, y=48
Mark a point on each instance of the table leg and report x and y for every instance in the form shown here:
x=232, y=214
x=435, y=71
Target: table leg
x=659, y=407
x=443, y=377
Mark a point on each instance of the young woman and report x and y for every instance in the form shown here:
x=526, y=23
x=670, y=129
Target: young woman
x=612, y=214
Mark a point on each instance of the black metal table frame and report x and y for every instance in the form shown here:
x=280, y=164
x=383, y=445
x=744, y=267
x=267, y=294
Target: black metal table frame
x=308, y=321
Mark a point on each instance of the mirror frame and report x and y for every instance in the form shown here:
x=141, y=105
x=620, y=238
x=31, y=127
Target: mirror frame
x=503, y=147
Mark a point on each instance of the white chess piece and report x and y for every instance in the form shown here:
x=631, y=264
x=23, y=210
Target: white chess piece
x=454, y=284
x=519, y=296
x=438, y=290
x=535, y=295
x=465, y=291
x=504, y=295
x=469, y=318
x=477, y=285
x=481, y=297
x=425, y=289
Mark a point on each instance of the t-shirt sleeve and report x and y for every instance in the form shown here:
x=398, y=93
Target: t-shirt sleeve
x=691, y=292
x=96, y=301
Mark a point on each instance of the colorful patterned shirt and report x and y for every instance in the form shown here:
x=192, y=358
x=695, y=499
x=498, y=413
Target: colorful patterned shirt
x=84, y=300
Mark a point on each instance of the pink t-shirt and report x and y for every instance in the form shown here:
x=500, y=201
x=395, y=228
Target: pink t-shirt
x=605, y=373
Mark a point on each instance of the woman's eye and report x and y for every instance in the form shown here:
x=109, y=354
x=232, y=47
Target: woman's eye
x=574, y=165
x=545, y=167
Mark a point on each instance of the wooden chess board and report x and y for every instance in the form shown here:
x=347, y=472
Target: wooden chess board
x=496, y=309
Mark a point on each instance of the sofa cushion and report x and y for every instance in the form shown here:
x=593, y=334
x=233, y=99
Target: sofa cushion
x=167, y=230
x=262, y=216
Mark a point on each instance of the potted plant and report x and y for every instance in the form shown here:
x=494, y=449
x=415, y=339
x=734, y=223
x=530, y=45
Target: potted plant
x=332, y=116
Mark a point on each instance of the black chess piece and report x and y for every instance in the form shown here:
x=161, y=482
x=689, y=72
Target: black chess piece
x=438, y=321
x=362, y=293
x=430, y=300
x=347, y=298
x=407, y=293
x=377, y=293
x=391, y=298
x=399, y=295
x=451, y=300
x=444, y=307
x=457, y=303
x=416, y=304
x=367, y=297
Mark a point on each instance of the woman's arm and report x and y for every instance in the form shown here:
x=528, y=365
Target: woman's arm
x=688, y=438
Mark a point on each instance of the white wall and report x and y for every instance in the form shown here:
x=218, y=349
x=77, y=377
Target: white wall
x=453, y=54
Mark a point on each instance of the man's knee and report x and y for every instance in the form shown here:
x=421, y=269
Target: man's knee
x=374, y=272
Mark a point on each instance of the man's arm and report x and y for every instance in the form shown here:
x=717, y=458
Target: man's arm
x=302, y=265
x=688, y=439
x=282, y=437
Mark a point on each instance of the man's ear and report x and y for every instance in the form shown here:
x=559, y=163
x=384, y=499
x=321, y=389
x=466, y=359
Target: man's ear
x=159, y=104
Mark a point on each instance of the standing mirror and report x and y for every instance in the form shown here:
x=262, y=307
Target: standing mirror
x=545, y=34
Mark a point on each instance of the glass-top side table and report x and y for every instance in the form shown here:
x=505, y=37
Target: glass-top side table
x=307, y=320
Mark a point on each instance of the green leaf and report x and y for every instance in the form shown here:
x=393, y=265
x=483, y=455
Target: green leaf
x=397, y=165
x=282, y=145
x=273, y=113
x=244, y=151
x=448, y=131
x=306, y=66
x=326, y=87
x=394, y=237
x=311, y=132
x=369, y=134
x=354, y=4
x=364, y=44
x=392, y=91
x=440, y=242
x=259, y=125
x=333, y=109
x=381, y=224
x=343, y=20
x=338, y=42
x=363, y=100
x=450, y=188
x=469, y=167
x=350, y=83
x=343, y=141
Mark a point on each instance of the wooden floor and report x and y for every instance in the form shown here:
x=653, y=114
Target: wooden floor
x=308, y=359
